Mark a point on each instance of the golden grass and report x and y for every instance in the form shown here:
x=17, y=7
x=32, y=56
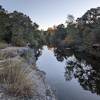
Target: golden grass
x=5, y=54
x=14, y=77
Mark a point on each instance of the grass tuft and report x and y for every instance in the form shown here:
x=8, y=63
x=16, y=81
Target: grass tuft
x=3, y=45
x=15, y=79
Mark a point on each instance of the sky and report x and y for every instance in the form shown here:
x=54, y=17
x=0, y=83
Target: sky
x=47, y=13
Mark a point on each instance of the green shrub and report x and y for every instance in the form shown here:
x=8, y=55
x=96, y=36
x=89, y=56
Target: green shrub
x=18, y=41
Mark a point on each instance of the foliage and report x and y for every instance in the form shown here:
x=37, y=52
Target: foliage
x=17, y=29
x=81, y=34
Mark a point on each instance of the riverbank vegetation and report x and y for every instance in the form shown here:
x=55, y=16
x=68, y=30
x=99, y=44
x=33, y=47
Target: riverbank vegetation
x=17, y=29
x=81, y=34
x=14, y=74
x=14, y=79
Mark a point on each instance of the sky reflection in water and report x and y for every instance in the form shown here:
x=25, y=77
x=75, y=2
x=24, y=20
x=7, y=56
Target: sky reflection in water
x=73, y=79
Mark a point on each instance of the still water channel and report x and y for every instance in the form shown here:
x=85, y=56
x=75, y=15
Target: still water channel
x=73, y=77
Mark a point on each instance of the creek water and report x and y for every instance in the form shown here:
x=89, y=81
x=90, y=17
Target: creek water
x=72, y=78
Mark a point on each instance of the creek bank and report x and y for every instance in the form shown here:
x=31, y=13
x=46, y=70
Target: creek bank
x=95, y=52
x=42, y=91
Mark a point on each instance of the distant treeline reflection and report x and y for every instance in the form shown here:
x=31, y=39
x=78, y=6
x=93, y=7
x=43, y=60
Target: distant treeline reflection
x=81, y=66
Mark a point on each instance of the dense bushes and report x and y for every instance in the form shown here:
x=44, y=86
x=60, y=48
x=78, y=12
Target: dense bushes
x=82, y=33
x=18, y=29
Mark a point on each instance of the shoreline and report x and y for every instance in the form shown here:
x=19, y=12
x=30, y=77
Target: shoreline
x=42, y=89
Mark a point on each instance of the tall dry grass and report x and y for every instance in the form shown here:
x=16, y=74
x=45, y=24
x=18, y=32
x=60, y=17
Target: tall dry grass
x=4, y=55
x=15, y=79
x=3, y=45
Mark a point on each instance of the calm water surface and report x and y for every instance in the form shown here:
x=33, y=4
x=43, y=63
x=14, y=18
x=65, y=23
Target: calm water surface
x=72, y=79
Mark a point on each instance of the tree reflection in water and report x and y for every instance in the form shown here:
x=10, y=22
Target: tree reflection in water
x=88, y=77
x=61, y=54
x=80, y=66
x=85, y=69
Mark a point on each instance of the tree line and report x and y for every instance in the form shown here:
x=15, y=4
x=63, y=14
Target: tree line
x=82, y=34
x=17, y=29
